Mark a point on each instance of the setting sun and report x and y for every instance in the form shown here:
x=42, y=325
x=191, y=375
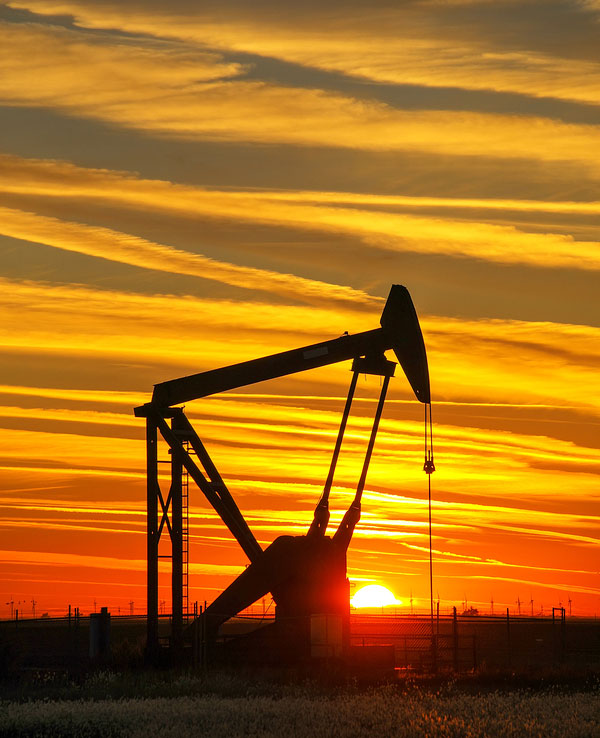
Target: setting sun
x=374, y=595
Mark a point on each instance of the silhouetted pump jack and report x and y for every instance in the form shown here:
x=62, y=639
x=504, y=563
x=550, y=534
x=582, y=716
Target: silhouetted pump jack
x=306, y=575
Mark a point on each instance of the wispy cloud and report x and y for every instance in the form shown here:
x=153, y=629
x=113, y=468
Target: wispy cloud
x=329, y=212
x=128, y=249
x=45, y=558
x=212, y=106
x=560, y=360
x=409, y=44
x=414, y=100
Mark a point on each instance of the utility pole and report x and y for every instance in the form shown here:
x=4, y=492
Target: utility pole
x=131, y=607
x=11, y=602
x=492, y=604
x=531, y=603
x=570, y=603
x=33, y=604
x=519, y=605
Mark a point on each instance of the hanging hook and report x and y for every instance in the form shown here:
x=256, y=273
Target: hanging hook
x=428, y=465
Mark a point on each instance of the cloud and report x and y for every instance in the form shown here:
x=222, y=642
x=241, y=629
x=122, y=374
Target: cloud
x=69, y=65
x=516, y=425
x=85, y=397
x=46, y=558
x=293, y=441
x=105, y=243
x=518, y=361
x=472, y=46
x=566, y=586
x=376, y=223
x=515, y=359
x=191, y=107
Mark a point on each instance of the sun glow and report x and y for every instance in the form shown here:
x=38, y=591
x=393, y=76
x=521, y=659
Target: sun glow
x=374, y=595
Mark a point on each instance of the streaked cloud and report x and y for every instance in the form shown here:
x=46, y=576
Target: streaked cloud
x=329, y=212
x=186, y=106
x=81, y=320
x=128, y=249
x=185, y=187
x=403, y=45
x=43, y=558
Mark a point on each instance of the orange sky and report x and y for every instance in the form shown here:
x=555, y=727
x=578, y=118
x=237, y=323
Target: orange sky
x=185, y=186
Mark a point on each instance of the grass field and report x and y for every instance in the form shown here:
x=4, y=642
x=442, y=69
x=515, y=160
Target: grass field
x=549, y=687
x=218, y=705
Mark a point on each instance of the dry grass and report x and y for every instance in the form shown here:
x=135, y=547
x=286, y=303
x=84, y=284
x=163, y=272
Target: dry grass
x=222, y=705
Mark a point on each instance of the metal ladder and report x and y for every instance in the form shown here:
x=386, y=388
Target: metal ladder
x=185, y=534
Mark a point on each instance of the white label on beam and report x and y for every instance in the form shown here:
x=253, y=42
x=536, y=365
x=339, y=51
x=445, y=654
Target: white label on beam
x=313, y=353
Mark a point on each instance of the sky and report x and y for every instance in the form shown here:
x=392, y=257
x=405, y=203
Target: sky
x=188, y=185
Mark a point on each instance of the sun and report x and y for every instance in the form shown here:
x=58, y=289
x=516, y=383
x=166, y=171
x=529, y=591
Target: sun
x=374, y=595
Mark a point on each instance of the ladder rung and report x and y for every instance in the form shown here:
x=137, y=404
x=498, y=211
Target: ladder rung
x=185, y=526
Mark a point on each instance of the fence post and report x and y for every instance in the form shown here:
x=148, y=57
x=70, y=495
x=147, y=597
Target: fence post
x=196, y=635
x=454, y=639
x=563, y=632
x=203, y=645
x=508, y=649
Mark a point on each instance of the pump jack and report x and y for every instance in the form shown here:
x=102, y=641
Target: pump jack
x=306, y=575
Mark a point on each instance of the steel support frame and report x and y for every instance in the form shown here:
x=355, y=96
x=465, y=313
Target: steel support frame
x=152, y=537
x=168, y=513
x=163, y=513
